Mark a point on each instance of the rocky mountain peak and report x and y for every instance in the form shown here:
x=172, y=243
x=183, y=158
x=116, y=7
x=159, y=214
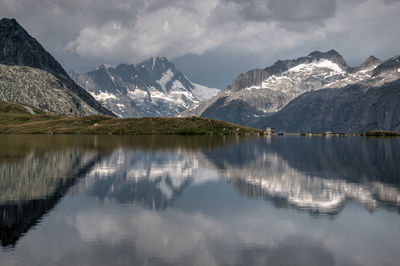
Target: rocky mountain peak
x=9, y=21
x=102, y=75
x=331, y=55
x=391, y=65
x=330, y=62
x=370, y=62
x=281, y=66
x=17, y=47
x=157, y=64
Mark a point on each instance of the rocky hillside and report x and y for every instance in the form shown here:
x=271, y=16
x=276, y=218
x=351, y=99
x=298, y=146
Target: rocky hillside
x=18, y=48
x=152, y=88
x=262, y=92
x=41, y=89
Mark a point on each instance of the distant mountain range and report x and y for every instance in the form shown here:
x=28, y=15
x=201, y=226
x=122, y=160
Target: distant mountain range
x=261, y=97
x=152, y=88
x=32, y=76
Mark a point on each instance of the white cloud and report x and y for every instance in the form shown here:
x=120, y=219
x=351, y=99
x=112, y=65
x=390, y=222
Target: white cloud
x=174, y=31
x=171, y=31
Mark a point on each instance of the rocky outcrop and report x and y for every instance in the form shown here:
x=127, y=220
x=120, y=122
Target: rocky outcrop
x=18, y=48
x=38, y=88
x=389, y=66
x=370, y=62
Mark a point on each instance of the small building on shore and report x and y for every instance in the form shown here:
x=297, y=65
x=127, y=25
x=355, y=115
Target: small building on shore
x=270, y=130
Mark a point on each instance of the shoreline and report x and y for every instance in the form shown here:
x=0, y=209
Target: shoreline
x=19, y=119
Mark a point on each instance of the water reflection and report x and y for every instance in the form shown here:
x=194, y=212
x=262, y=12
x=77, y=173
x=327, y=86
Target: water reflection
x=31, y=186
x=315, y=174
x=317, y=179
x=178, y=238
x=175, y=201
x=272, y=177
x=154, y=179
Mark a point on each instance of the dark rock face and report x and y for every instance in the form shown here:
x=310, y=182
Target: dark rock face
x=369, y=62
x=236, y=110
x=354, y=109
x=17, y=47
x=391, y=65
x=154, y=87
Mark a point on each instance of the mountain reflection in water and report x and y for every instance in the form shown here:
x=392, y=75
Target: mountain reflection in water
x=320, y=179
x=169, y=187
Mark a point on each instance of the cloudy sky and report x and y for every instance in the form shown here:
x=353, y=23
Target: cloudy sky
x=211, y=41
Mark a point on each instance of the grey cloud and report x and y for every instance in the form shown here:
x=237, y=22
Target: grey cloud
x=160, y=4
x=252, y=9
x=286, y=10
x=304, y=10
x=389, y=2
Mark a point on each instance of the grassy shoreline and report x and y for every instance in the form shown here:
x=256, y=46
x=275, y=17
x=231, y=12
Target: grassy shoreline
x=381, y=133
x=15, y=119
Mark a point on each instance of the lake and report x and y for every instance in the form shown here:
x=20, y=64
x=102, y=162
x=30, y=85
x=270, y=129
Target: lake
x=168, y=200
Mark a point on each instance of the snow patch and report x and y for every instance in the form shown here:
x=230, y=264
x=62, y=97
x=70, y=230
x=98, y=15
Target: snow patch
x=137, y=94
x=121, y=107
x=166, y=77
x=102, y=96
x=307, y=201
x=324, y=63
x=253, y=88
x=203, y=93
x=177, y=85
x=365, y=71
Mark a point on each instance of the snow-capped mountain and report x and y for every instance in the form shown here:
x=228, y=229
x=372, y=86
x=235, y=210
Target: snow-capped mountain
x=152, y=88
x=262, y=92
x=369, y=102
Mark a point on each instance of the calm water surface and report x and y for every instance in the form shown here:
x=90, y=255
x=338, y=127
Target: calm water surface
x=109, y=200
